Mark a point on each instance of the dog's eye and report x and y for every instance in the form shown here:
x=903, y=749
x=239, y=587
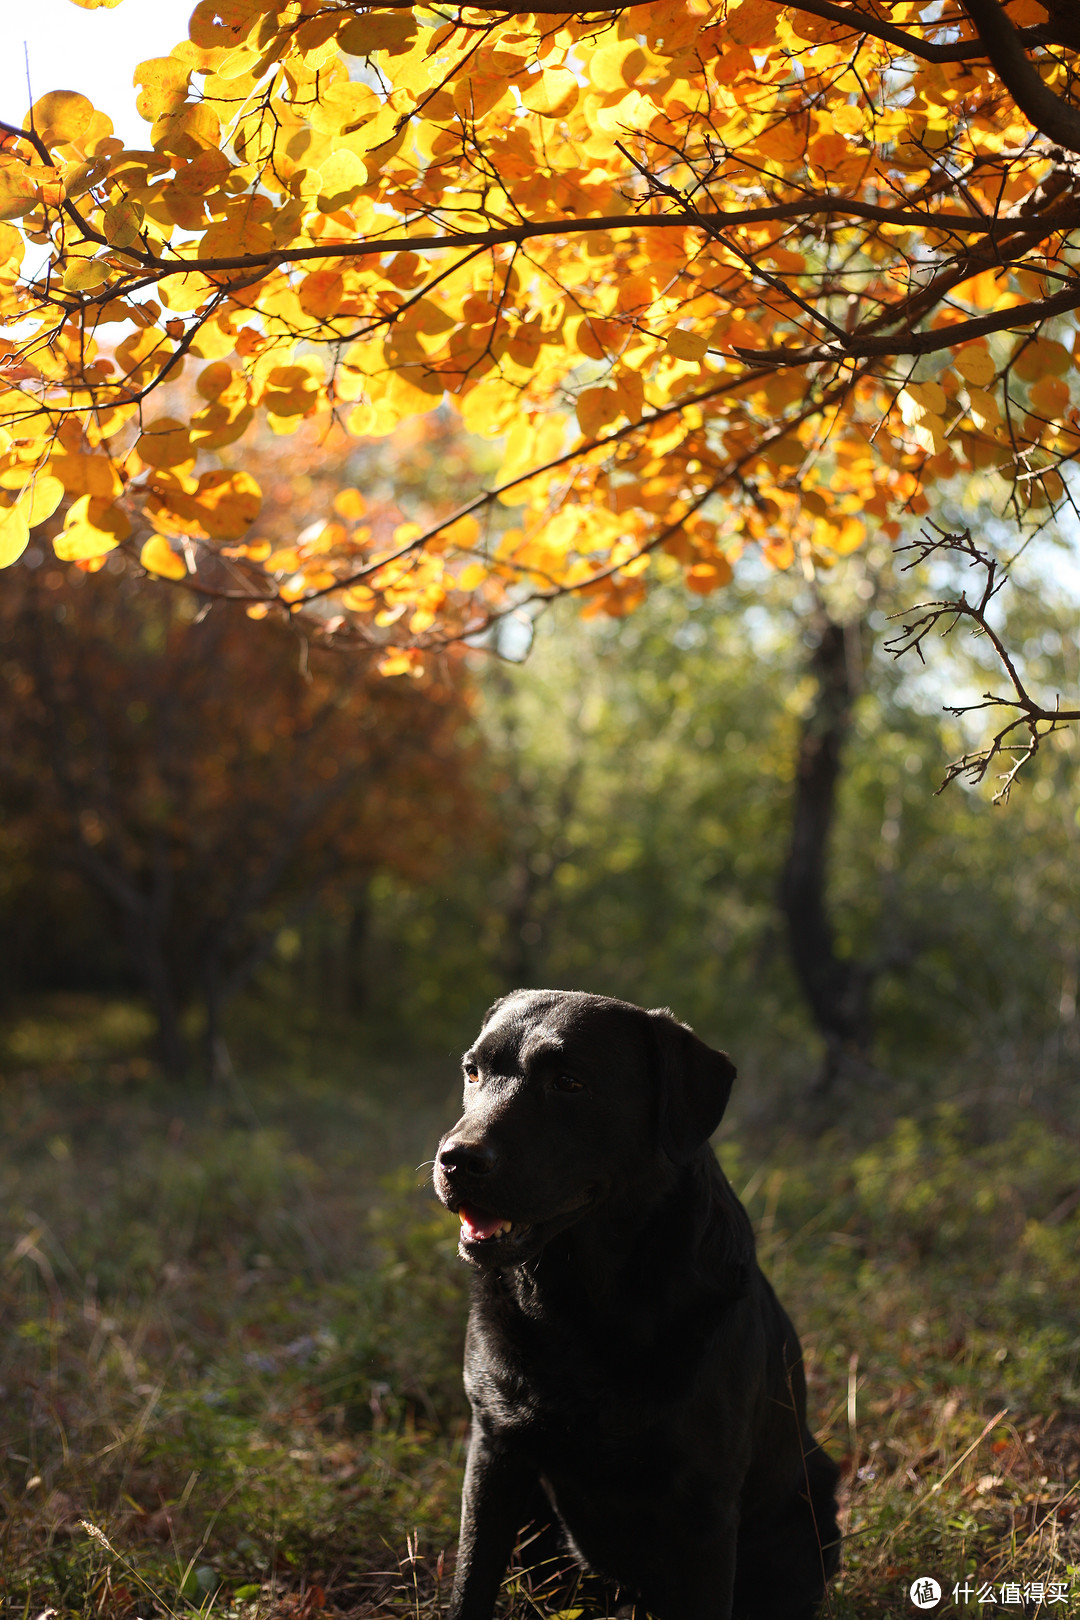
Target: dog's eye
x=567, y=1082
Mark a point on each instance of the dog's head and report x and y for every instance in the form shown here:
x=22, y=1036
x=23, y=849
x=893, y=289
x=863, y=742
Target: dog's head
x=569, y=1097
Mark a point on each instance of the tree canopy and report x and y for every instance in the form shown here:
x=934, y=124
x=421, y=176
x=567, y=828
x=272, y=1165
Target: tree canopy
x=172, y=782
x=715, y=274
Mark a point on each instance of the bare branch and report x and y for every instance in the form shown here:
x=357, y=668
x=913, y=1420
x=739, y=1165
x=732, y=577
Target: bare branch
x=1026, y=715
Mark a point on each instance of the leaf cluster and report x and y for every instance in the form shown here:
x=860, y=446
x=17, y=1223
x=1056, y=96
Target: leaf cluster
x=714, y=275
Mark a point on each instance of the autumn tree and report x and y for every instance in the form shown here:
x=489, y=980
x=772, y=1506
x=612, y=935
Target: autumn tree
x=205, y=787
x=715, y=274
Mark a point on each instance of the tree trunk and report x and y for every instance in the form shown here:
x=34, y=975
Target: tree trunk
x=837, y=989
x=148, y=960
x=357, y=936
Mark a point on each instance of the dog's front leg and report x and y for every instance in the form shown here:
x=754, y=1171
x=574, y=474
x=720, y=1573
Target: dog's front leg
x=696, y=1578
x=492, y=1507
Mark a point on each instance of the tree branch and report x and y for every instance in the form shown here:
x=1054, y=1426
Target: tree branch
x=1026, y=714
x=1058, y=119
x=506, y=235
x=912, y=343
x=861, y=22
x=960, y=50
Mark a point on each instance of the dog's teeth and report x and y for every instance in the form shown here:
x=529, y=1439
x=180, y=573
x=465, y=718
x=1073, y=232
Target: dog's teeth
x=501, y=1230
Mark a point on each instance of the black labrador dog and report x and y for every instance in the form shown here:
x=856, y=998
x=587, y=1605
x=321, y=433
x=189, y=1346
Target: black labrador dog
x=634, y=1382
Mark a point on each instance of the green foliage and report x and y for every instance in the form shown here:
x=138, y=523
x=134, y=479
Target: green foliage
x=642, y=772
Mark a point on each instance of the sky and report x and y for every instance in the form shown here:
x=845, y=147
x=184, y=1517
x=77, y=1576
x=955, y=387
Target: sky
x=92, y=51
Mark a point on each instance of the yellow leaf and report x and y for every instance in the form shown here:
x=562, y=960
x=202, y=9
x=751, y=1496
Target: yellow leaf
x=186, y=292
x=94, y=526
x=358, y=599
x=400, y=661
x=1044, y=356
x=929, y=433
x=321, y=293
x=222, y=22
x=785, y=141
x=350, y=504
x=596, y=408
x=213, y=380
x=919, y=400
x=376, y=31
x=985, y=291
x=41, y=498
x=751, y=23
x=984, y=409
x=87, y=475
x=411, y=391
x=975, y=364
x=553, y=92
x=187, y=130
x=121, y=222
x=164, y=81
x=221, y=423
x=290, y=391
x=847, y=535
x=687, y=345
x=616, y=66
x=158, y=557
x=340, y=178
x=18, y=194
x=462, y=533
x=228, y=503
x=96, y=5
x=83, y=275
x=61, y=116
x=1050, y=397
x=787, y=451
x=344, y=105
x=214, y=341
x=14, y=534
x=165, y=442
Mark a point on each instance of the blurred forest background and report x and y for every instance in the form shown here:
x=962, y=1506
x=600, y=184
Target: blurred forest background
x=253, y=901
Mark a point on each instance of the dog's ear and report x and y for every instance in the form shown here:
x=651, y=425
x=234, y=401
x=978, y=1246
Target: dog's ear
x=694, y=1082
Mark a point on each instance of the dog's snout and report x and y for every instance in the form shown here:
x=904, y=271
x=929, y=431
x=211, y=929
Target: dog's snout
x=458, y=1157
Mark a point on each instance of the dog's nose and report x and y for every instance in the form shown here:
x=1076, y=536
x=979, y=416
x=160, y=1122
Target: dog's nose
x=466, y=1158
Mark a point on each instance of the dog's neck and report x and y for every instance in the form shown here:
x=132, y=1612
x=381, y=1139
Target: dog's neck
x=596, y=1269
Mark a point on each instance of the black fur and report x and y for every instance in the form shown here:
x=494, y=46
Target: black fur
x=634, y=1382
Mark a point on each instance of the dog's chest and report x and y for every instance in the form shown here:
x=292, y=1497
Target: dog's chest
x=561, y=1391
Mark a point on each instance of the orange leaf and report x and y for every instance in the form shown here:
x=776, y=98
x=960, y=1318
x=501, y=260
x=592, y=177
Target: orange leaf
x=321, y=293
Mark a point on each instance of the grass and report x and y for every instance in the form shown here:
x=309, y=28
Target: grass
x=229, y=1370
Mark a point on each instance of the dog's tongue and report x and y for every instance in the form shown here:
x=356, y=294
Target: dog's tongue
x=476, y=1225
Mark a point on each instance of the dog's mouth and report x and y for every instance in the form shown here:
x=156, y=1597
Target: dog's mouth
x=507, y=1240
x=477, y=1226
